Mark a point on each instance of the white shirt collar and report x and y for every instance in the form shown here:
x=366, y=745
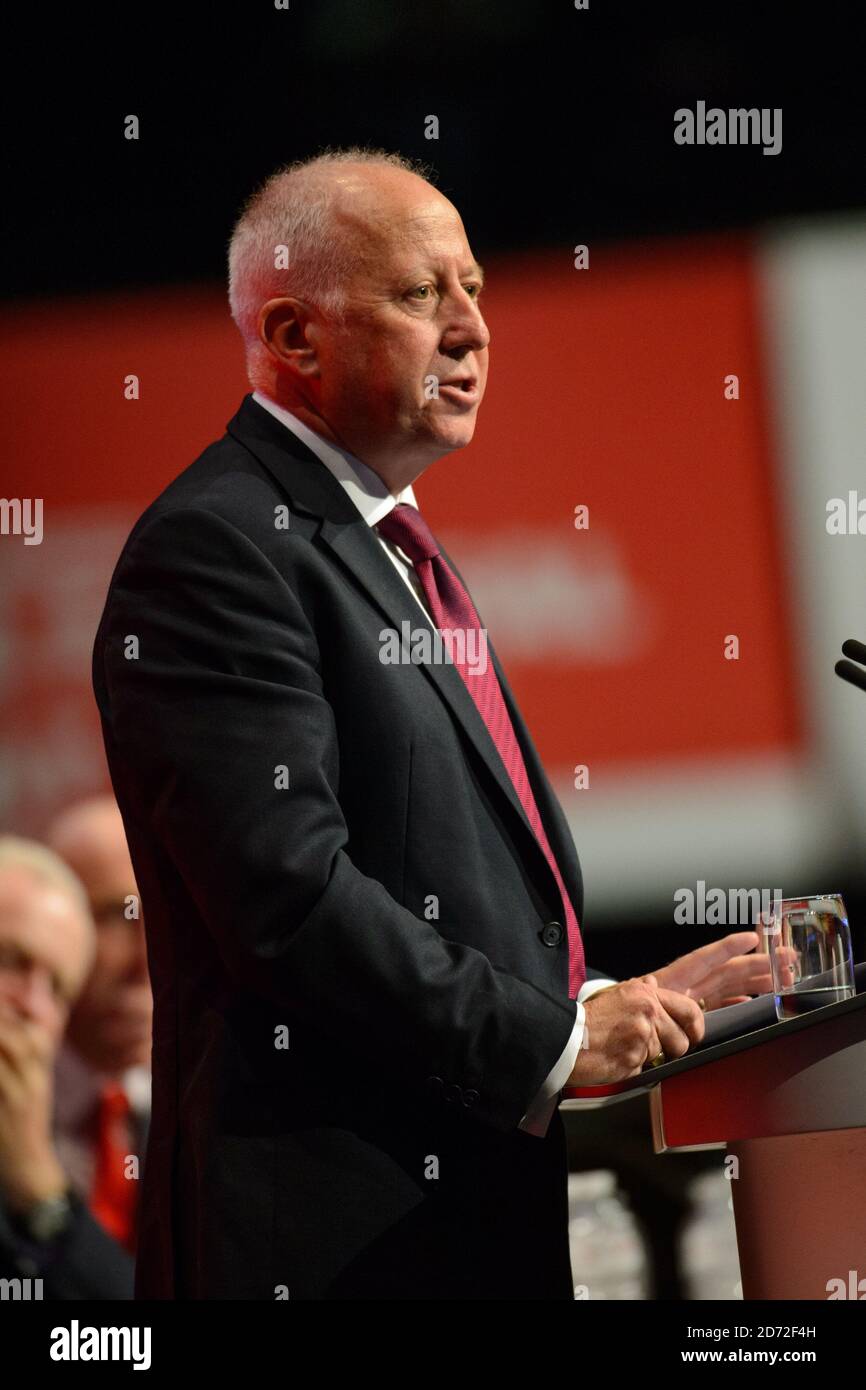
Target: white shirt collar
x=78, y=1087
x=366, y=489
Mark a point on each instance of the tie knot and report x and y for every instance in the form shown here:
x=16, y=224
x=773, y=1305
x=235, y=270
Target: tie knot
x=406, y=527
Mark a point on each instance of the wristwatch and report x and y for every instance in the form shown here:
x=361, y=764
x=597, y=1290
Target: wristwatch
x=46, y=1219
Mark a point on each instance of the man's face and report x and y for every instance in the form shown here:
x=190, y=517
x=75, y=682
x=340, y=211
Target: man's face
x=112, y=1019
x=111, y=1022
x=402, y=377
x=45, y=949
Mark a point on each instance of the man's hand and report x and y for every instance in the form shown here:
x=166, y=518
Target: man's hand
x=29, y=1168
x=630, y=1023
x=727, y=971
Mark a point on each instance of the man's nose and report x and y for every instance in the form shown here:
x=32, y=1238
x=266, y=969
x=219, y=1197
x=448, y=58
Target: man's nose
x=467, y=329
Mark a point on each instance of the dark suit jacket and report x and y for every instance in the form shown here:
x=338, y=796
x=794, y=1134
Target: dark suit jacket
x=378, y=1155
x=84, y=1262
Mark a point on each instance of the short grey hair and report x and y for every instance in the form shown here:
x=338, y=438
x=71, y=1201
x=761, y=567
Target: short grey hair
x=46, y=867
x=293, y=208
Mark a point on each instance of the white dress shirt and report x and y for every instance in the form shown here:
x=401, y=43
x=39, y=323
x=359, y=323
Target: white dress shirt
x=374, y=501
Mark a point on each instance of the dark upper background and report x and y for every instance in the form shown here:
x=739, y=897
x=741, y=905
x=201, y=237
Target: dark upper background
x=556, y=125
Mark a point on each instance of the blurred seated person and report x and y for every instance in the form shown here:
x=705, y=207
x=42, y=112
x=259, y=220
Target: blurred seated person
x=47, y=946
x=102, y=1105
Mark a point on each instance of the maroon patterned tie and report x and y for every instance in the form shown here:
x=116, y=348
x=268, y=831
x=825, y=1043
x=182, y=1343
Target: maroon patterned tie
x=452, y=608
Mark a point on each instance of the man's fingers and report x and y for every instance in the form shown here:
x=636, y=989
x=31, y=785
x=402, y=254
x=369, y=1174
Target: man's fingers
x=11, y=1086
x=749, y=970
x=653, y=1048
x=22, y=1041
x=681, y=1022
x=705, y=959
x=13, y=1044
x=676, y=1021
x=750, y=973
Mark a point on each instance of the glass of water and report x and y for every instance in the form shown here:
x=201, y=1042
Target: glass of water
x=809, y=944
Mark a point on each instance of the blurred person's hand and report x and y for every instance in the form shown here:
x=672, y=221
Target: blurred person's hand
x=29, y=1168
x=630, y=1023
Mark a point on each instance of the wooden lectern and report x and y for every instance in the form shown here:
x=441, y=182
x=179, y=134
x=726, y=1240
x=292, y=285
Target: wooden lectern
x=788, y=1101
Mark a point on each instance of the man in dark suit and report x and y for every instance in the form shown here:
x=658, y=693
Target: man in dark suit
x=361, y=897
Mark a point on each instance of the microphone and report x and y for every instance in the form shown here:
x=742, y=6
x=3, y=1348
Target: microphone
x=846, y=669
x=856, y=650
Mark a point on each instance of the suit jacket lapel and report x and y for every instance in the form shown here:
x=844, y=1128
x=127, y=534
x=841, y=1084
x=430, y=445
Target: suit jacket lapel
x=313, y=490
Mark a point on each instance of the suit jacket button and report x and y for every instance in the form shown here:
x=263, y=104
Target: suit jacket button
x=453, y=1092
x=435, y=1086
x=551, y=934
x=470, y=1097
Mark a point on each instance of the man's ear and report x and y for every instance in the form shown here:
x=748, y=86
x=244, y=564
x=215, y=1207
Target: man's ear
x=283, y=328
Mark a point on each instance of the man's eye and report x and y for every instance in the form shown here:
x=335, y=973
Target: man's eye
x=421, y=289
x=474, y=290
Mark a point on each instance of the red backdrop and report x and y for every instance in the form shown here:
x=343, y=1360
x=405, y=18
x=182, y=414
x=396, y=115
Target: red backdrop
x=606, y=389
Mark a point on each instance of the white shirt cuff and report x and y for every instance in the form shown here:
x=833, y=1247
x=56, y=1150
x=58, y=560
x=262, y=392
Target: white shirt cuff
x=540, y=1112
x=538, y=1116
x=591, y=987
